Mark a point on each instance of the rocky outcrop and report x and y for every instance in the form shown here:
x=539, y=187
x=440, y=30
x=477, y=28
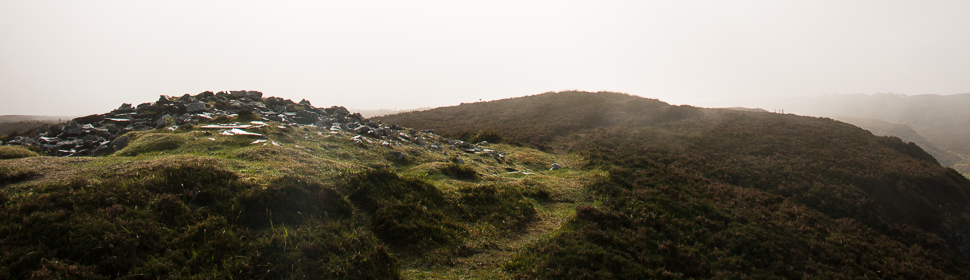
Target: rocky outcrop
x=103, y=134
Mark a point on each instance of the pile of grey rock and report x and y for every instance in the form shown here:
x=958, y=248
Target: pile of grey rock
x=103, y=134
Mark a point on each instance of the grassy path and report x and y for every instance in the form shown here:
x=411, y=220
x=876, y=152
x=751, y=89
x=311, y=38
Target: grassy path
x=487, y=264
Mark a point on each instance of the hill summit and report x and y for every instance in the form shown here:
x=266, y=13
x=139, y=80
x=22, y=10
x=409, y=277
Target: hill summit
x=100, y=134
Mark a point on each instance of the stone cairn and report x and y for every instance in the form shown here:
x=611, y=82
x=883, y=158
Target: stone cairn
x=103, y=134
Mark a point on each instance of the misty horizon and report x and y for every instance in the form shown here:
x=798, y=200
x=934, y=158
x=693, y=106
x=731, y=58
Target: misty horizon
x=73, y=58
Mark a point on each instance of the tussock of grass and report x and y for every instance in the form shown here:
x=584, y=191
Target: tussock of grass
x=11, y=175
x=186, y=217
x=12, y=152
x=152, y=142
x=405, y=212
x=459, y=172
x=503, y=206
x=292, y=200
x=533, y=160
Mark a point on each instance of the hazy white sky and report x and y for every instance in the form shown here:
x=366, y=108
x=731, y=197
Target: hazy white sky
x=85, y=57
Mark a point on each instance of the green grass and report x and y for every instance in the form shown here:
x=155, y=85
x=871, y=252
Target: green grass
x=700, y=193
x=668, y=192
x=152, y=142
x=198, y=204
x=12, y=152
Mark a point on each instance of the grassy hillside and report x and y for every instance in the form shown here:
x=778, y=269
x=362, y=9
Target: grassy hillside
x=942, y=119
x=646, y=190
x=723, y=193
x=280, y=201
x=541, y=120
x=193, y=204
x=905, y=133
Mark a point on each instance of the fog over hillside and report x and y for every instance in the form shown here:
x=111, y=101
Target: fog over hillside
x=81, y=58
x=942, y=120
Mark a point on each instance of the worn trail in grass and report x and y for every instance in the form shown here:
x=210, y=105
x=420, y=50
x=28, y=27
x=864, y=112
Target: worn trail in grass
x=484, y=252
x=488, y=262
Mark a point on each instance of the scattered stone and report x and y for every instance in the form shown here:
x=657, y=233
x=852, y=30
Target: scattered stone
x=236, y=131
x=103, y=150
x=90, y=119
x=306, y=117
x=103, y=134
x=164, y=120
x=195, y=107
x=72, y=128
x=125, y=108
x=337, y=110
x=324, y=123
x=236, y=104
x=555, y=166
x=120, y=143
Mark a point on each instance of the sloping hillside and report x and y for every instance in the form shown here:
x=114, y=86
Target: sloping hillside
x=543, y=119
x=942, y=119
x=905, y=133
x=235, y=185
x=722, y=193
x=13, y=125
x=244, y=198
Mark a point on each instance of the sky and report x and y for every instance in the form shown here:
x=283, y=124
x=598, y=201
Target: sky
x=86, y=57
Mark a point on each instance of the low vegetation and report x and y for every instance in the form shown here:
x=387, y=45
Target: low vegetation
x=728, y=194
x=299, y=203
x=12, y=152
x=641, y=190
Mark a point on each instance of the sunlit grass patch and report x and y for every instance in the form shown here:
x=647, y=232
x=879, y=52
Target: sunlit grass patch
x=142, y=143
x=15, y=151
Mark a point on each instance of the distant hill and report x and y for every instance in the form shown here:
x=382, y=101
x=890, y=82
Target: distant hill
x=25, y=124
x=382, y=112
x=24, y=118
x=906, y=133
x=539, y=120
x=944, y=120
